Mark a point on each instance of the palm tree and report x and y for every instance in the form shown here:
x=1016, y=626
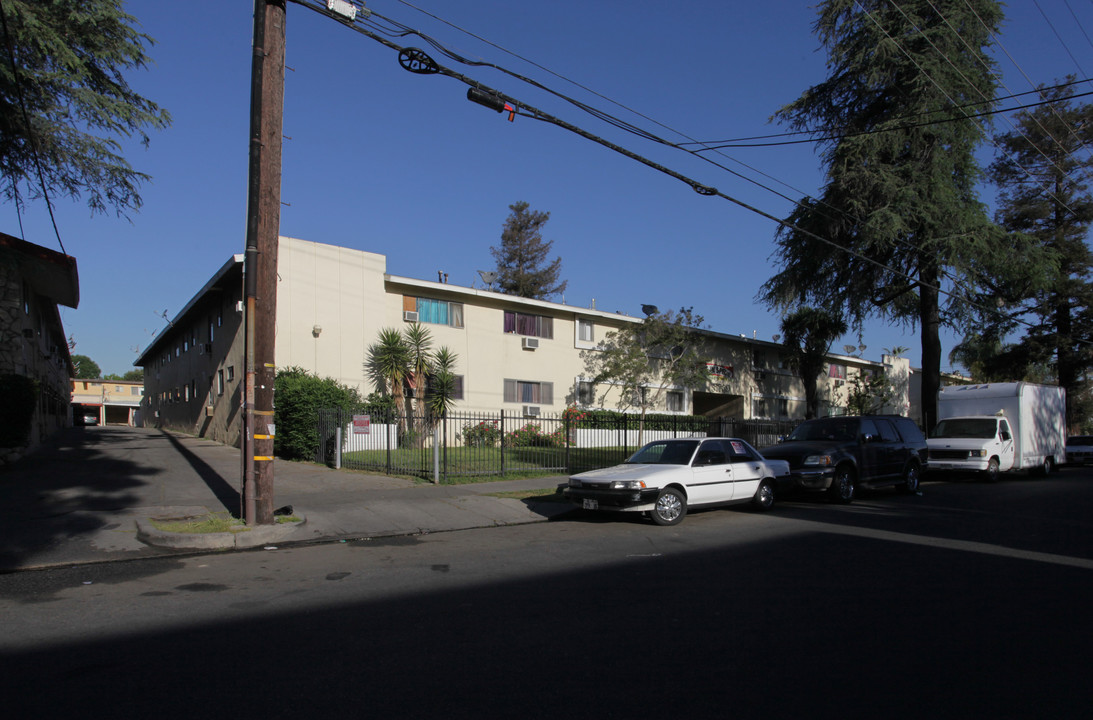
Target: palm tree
x=418, y=343
x=808, y=334
x=441, y=395
x=388, y=366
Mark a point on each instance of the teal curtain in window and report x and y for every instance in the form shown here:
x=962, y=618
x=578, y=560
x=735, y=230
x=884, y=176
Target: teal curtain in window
x=432, y=311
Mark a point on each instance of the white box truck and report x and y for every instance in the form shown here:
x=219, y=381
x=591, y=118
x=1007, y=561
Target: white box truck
x=994, y=428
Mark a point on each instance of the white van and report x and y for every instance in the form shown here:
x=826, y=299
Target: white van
x=994, y=428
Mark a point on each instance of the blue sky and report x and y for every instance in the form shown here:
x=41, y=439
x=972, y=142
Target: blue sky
x=400, y=164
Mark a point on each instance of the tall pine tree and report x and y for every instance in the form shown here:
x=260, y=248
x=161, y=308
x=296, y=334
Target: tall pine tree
x=521, y=258
x=899, y=193
x=1043, y=178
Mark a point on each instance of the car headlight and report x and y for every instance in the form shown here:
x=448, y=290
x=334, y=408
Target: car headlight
x=978, y=453
x=628, y=485
x=824, y=460
x=574, y=482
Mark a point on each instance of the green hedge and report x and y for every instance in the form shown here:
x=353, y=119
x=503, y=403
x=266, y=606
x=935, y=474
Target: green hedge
x=631, y=421
x=298, y=396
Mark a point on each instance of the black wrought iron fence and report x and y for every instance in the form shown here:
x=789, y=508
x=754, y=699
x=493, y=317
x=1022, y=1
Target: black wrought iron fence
x=469, y=445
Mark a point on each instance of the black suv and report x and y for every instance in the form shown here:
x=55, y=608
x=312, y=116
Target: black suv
x=840, y=453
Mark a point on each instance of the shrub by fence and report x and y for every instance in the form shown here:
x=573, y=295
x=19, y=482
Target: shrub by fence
x=464, y=446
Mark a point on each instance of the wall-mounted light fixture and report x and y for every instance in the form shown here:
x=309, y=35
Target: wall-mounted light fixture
x=316, y=330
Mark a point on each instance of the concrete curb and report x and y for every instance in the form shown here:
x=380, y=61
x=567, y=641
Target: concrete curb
x=253, y=537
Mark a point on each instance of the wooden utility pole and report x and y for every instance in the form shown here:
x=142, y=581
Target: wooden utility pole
x=260, y=260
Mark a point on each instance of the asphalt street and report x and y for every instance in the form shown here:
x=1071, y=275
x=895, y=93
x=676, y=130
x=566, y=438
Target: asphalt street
x=969, y=600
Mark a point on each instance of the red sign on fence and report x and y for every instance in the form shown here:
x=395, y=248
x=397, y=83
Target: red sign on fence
x=361, y=424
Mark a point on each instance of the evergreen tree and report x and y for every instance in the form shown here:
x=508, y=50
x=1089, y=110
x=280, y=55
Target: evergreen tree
x=61, y=71
x=1042, y=177
x=523, y=253
x=899, y=192
x=86, y=368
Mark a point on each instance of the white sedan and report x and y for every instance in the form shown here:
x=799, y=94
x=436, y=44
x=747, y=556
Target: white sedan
x=666, y=477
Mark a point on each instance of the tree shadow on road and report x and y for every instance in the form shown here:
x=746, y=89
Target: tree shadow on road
x=224, y=491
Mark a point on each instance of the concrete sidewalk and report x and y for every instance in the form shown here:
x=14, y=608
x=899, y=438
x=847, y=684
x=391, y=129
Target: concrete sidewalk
x=87, y=496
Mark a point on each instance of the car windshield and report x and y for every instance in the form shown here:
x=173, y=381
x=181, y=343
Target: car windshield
x=665, y=452
x=981, y=428
x=840, y=429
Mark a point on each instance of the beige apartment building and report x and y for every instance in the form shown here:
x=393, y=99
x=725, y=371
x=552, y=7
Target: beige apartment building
x=106, y=402
x=514, y=354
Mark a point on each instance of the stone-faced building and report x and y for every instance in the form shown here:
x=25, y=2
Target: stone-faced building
x=35, y=364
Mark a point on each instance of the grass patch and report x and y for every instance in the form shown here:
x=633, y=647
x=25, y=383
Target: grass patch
x=461, y=465
x=212, y=523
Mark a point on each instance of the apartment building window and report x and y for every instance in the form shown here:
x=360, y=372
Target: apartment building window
x=211, y=330
x=435, y=312
x=586, y=392
x=838, y=372
x=231, y=373
x=675, y=401
x=526, y=391
x=585, y=331
x=219, y=382
x=534, y=325
x=457, y=386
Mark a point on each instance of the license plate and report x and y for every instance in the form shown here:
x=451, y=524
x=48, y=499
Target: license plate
x=588, y=504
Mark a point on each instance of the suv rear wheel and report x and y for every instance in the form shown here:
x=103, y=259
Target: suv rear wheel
x=842, y=485
x=911, y=479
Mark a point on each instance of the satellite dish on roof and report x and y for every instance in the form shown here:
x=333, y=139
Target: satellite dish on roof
x=488, y=277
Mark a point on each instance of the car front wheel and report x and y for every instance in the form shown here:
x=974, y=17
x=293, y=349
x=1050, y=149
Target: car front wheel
x=764, y=496
x=992, y=471
x=842, y=485
x=669, y=508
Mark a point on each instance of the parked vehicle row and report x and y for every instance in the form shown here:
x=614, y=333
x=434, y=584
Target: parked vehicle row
x=983, y=429
x=994, y=428
x=666, y=477
x=1079, y=450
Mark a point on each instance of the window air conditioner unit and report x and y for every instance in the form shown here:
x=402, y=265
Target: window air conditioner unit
x=409, y=316
x=531, y=411
x=530, y=343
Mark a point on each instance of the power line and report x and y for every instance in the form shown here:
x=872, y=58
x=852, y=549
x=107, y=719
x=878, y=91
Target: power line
x=895, y=128
x=938, y=85
x=820, y=205
x=419, y=62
